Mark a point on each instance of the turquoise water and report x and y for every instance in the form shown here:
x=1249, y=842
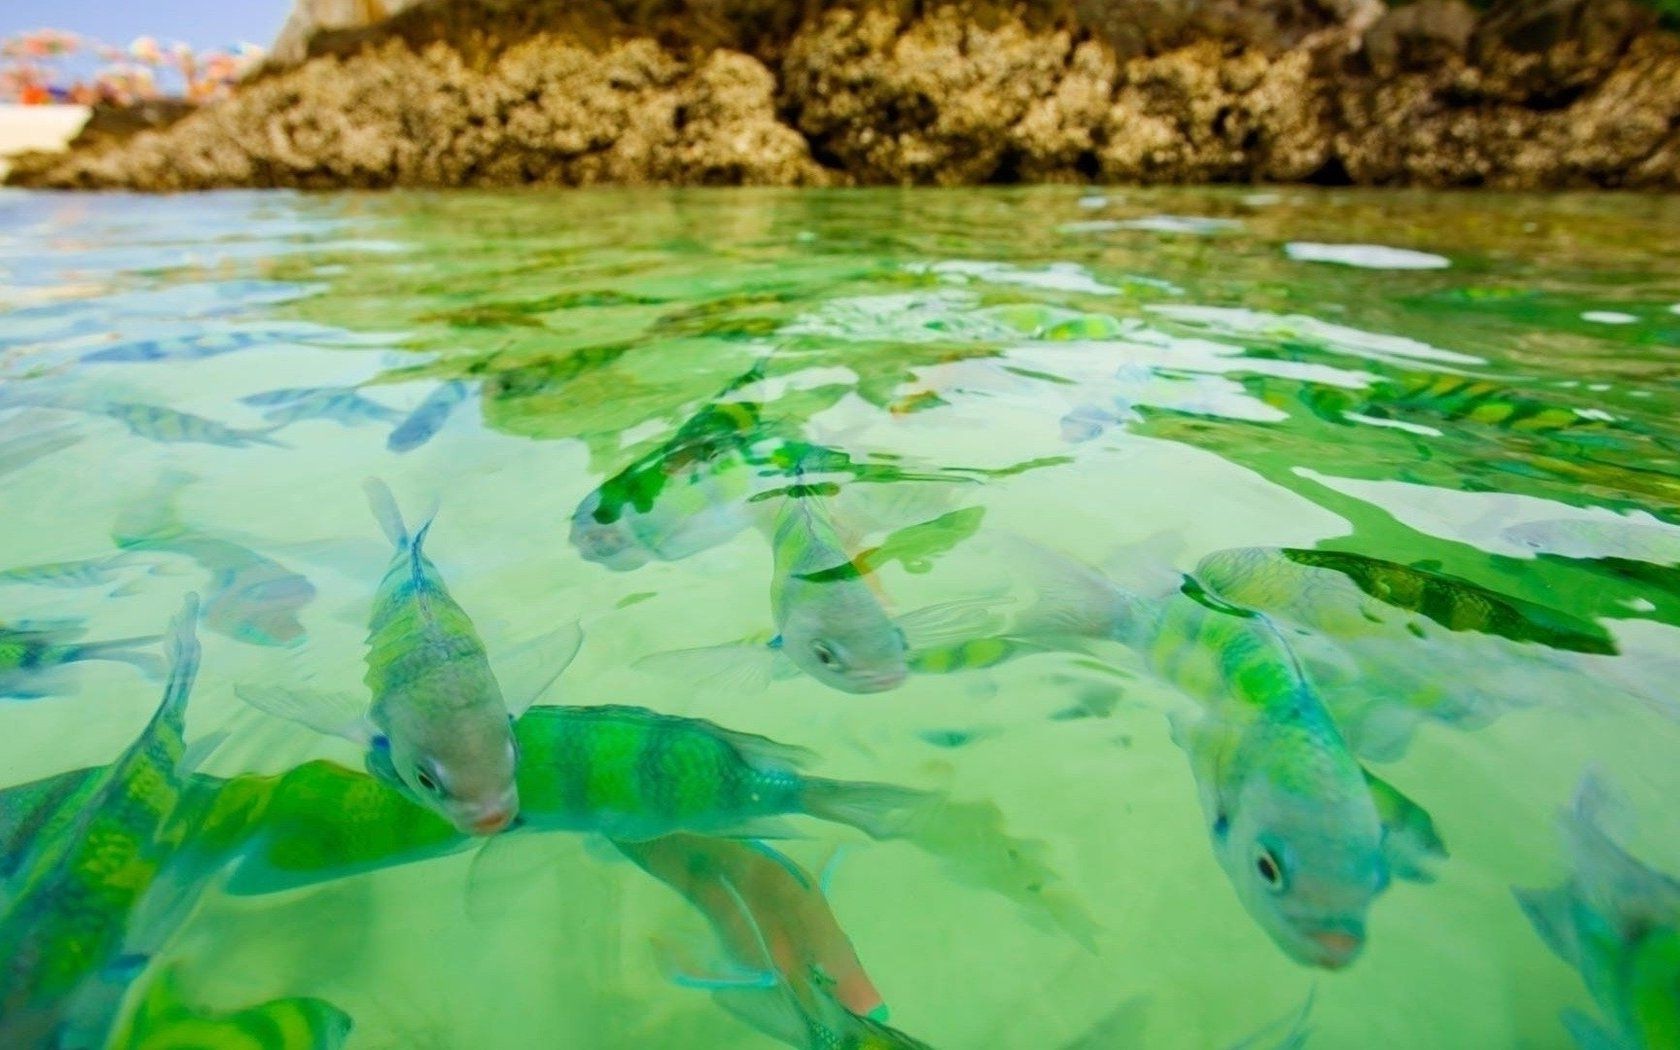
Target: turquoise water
x=1141, y=525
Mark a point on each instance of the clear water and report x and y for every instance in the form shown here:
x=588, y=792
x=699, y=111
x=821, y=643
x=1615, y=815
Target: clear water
x=1127, y=380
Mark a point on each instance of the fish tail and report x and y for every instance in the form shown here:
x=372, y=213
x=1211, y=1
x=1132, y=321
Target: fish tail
x=385, y=509
x=122, y=650
x=881, y=811
x=180, y=648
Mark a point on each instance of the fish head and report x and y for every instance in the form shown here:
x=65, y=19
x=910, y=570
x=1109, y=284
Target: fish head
x=1306, y=866
x=612, y=543
x=464, y=773
x=850, y=646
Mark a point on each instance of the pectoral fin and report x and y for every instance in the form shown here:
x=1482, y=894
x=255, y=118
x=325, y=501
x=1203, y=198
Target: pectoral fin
x=734, y=668
x=1410, y=842
x=527, y=671
x=335, y=714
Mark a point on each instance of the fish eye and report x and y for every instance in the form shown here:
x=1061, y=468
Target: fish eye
x=427, y=781
x=1271, y=872
x=824, y=654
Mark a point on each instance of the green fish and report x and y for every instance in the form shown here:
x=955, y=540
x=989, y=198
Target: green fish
x=1306, y=837
x=1617, y=922
x=33, y=654
x=70, y=898
x=163, y=1021
x=438, y=723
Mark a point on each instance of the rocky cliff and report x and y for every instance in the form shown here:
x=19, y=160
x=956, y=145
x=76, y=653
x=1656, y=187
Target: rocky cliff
x=1529, y=93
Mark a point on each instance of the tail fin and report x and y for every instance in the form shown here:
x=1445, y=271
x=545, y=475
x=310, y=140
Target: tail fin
x=881, y=811
x=122, y=650
x=385, y=510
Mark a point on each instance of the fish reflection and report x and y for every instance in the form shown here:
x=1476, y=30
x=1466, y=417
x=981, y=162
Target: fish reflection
x=1307, y=837
x=65, y=935
x=162, y=1020
x=438, y=725
x=1617, y=922
x=789, y=971
x=252, y=598
x=33, y=656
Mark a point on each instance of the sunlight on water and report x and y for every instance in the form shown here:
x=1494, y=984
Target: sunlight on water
x=1163, y=619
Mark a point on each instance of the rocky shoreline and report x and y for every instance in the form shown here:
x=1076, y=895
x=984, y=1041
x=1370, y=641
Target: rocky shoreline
x=1525, y=95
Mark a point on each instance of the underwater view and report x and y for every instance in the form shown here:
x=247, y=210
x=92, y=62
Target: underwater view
x=1019, y=619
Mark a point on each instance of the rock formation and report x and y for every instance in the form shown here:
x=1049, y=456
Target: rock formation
x=1531, y=93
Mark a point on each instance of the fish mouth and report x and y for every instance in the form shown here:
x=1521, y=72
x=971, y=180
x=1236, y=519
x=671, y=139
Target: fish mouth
x=1334, y=948
x=488, y=821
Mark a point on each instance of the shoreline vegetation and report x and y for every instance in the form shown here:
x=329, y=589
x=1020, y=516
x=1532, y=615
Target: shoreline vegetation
x=1517, y=94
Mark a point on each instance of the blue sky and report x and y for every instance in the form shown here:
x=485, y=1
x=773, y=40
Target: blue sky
x=201, y=23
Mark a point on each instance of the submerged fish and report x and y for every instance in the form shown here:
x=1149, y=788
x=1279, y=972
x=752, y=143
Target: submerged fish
x=70, y=898
x=428, y=418
x=342, y=405
x=1306, y=837
x=89, y=572
x=251, y=598
x=438, y=724
x=764, y=909
x=777, y=980
x=32, y=653
x=1617, y=922
x=184, y=347
x=170, y=426
x=162, y=1020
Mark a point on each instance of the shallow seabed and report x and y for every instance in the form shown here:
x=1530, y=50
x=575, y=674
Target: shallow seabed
x=1462, y=407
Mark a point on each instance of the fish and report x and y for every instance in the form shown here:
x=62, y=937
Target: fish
x=632, y=774
x=342, y=405
x=421, y=425
x=71, y=897
x=1616, y=921
x=830, y=624
x=1305, y=835
x=170, y=426
x=791, y=999
x=32, y=654
x=786, y=914
x=163, y=1020
x=438, y=724
x=183, y=347
x=251, y=598
x=88, y=572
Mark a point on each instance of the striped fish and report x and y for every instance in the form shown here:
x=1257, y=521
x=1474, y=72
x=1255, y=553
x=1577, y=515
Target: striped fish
x=428, y=417
x=169, y=426
x=90, y=572
x=73, y=892
x=31, y=654
x=163, y=1021
x=342, y=405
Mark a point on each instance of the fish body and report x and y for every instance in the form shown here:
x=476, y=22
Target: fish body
x=342, y=405
x=1615, y=920
x=170, y=426
x=30, y=654
x=1288, y=808
x=181, y=348
x=436, y=704
x=421, y=425
x=829, y=620
x=163, y=1021
x=633, y=774
x=72, y=895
